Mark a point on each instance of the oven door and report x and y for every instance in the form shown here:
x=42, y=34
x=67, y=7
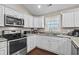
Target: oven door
x=16, y=45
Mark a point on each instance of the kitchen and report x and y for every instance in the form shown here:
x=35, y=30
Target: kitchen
x=52, y=29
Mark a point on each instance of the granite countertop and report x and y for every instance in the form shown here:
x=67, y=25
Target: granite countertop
x=50, y=35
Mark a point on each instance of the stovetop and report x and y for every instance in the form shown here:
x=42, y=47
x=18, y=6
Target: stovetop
x=13, y=36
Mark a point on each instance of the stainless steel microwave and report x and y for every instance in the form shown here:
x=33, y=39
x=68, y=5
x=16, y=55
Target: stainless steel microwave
x=13, y=21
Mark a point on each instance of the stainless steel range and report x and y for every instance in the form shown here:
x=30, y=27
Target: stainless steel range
x=16, y=42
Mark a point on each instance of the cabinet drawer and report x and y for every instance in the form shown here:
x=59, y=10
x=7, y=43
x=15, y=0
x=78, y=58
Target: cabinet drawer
x=3, y=44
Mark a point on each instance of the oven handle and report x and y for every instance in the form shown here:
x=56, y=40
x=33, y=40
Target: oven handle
x=16, y=39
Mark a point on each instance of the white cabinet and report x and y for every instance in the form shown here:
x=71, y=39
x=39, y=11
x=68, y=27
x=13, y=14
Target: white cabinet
x=41, y=22
x=60, y=45
x=26, y=21
x=1, y=16
x=11, y=12
x=35, y=22
x=71, y=19
x=68, y=19
x=3, y=51
x=3, y=48
x=30, y=21
x=43, y=42
x=54, y=44
x=38, y=21
x=31, y=44
x=76, y=17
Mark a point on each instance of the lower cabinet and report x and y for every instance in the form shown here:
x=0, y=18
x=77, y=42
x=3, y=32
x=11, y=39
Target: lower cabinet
x=43, y=42
x=60, y=46
x=56, y=45
x=3, y=51
x=30, y=43
x=3, y=48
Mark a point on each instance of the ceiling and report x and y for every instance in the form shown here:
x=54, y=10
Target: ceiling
x=45, y=8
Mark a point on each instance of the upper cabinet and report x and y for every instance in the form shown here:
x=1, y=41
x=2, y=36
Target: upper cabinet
x=28, y=21
x=68, y=19
x=42, y=21
x=71, y=19
x=9, y=11
x=33, y=22
x=76, y=13
x=38, y=22
x=1, y=16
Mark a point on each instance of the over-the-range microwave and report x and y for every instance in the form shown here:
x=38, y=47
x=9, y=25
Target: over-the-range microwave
x=13, y=21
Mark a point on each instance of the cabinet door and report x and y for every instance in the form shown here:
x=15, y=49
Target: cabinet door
x=39, y=22
x=42, y=22
x=53, y=44
x=76, y=17
x=30, y=21
x=47, y=43
x=26, y=21
x=1, y=16
x=31, y=43
x=43, y=42
x=40, y=41
x=35, y=23
x=60, y=45
x=9, y=11
x=68, y=19
x=3, y=51
x=28, y=44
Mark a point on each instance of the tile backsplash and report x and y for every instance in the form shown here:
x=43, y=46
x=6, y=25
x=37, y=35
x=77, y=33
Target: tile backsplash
x=13, y=28
x=63, y=30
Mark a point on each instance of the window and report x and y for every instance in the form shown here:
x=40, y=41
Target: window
x=53, y=23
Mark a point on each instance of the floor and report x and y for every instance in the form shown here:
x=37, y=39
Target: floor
x=38, y=51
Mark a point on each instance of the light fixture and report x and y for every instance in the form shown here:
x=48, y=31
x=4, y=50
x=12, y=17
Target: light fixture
x=39, y=6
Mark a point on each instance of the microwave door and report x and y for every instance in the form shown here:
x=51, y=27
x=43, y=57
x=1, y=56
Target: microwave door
x=19, y=22
x=9, y=21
